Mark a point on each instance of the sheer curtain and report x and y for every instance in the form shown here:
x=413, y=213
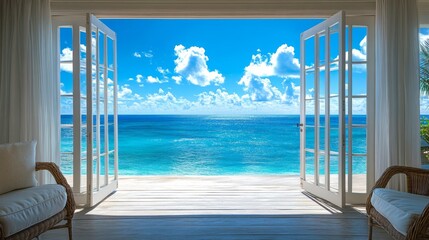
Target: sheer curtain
x=28, y=92
x=397, y=85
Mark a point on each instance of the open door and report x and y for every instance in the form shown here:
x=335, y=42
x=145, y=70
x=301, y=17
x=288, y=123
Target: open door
x=322, y=142
x=337, y=109
x=86, y=67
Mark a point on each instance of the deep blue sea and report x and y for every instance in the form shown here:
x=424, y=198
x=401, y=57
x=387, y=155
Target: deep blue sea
x=205, y=145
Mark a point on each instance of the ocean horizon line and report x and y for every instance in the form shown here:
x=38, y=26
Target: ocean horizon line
x=216, y=114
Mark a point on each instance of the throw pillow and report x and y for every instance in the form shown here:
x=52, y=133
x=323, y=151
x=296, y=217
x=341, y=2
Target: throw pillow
x=17, y=166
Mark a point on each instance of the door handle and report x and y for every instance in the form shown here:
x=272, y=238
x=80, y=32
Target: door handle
x=299, y=125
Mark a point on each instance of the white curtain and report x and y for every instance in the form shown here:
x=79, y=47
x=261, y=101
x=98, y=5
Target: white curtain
x=397, y=85
x=28, y=92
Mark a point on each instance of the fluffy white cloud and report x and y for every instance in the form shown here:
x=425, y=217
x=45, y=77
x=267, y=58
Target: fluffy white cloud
x=137, y=55
x=139, y=78
x=191, y=64
x=259, y=89
x=159, y=102
x=177, y=79
x=125, y=94
x=66, y=55
x=219, y=98
x=151, y=79
x=282, y=63
x=163, y=71
x=363, y=45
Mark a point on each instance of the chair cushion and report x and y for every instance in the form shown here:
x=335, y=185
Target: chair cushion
x=17, y=166
x=23, y=208
x=400, y=208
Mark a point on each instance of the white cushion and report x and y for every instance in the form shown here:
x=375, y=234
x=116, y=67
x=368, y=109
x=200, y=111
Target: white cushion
x=400, y=208
x=17, y=166
x=23, y=208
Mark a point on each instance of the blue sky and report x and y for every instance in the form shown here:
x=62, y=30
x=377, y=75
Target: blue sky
x=208, y=66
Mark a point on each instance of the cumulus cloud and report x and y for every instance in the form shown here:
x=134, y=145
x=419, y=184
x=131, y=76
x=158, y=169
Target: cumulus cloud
x=177, y=79
x=282, y=63
x=137, y=55
x=259, y=89
x=66, y=55
x=151, y=79
x=158, y=102
x=139, y=78
x=363, y=45
x=163, y=71
x=191, y=64
x=219, y=98
x=359, y=54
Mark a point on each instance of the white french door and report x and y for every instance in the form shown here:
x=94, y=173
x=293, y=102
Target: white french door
x=337, y=82
x=86, y=57
x=322, y=110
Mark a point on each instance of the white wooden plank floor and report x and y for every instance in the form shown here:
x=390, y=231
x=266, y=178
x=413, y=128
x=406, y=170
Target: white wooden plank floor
x=215, y=207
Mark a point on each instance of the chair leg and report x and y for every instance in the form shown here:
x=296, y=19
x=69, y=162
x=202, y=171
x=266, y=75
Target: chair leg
x=69, y=223
x=370, y=224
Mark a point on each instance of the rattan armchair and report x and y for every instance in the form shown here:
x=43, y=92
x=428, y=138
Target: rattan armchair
x=51, y=223
x=417, y=183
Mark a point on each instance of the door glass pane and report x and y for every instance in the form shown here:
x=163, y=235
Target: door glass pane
x=94, y=45
x=359, y=79
x=322, y=139
x=309, y=138
x=111, y=167
x=322, y=78
x=110, y=52
x=322, y=46
x=101, y=84
x=334, y=125
x=359, y=140
x=333, y=173
x=359, y=174
x=359, y=43
x=103, y=181
x=309, y=53
x=101, y=44
x=322, y=179
x=309, y=85
x=334, y=41
x=333, y=79
x=309, y=167
x=359, y=119
x=359, y=106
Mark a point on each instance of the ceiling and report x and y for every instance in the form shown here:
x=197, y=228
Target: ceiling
x=213, y=8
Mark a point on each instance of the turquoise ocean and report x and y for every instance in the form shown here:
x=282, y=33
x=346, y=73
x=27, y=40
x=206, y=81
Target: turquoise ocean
x=207, y=144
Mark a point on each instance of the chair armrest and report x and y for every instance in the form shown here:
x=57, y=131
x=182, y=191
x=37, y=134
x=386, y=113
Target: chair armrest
x=419, y=227
x=61, y=180
x=392, y=171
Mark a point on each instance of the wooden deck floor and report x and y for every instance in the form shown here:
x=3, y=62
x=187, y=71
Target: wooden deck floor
x=215, y=207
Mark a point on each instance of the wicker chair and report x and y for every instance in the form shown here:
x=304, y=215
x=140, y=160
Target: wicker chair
x=52, y=222
x=417, y=183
